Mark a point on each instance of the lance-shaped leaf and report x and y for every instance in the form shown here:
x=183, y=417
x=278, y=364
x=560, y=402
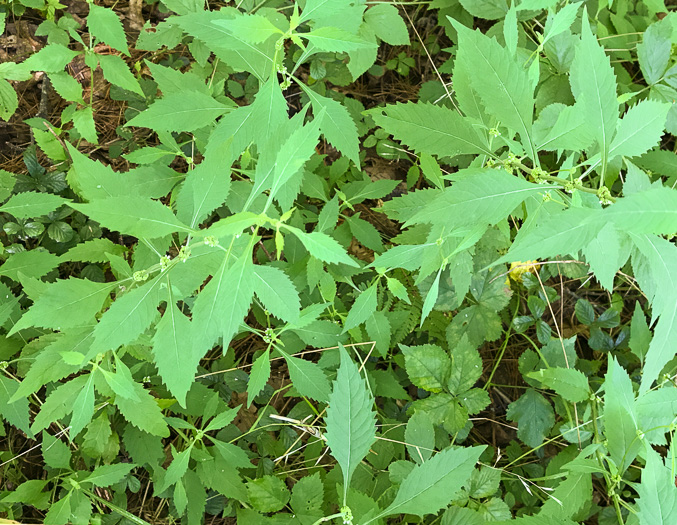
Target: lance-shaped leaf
x=277, y=292
x=426, y=128
x=593, y=84
x=333, y=39
x=364, y=306
x=105, y=26
x=351, y=420
x=431, y=485
x=640, y=129
x=15, y=413
x=221, y=306
x=30, y=263
x=308, y=378
x=250, y=28
x=657, y=492
x=501, y=82
x=173, y=350
x=32, y=204
x=144, y=413
x=480, y=196
x=323, y=247
x=65, y=304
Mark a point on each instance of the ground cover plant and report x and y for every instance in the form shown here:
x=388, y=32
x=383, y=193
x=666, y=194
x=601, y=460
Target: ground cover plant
x=337, y=261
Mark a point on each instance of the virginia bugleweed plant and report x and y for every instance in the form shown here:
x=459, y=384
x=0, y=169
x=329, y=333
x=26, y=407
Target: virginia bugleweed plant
x=247, y=322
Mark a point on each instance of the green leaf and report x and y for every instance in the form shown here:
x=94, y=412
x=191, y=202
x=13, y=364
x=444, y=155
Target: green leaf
x=144, y=414
x=83, y=121
x=15, y=413
x=258, y=377
x=107, y=475
x=30, y=263
x=173, y=351
x=640, y=129
x=593, y=84
x=9, y=102
x=466, y=367
x=129, y=316
x=655, y=412
x=363, y=308
x=385, y=20
x=640, y=335
x=250, y=28
x=106, y=27
x=487, y=9
x=484, y=195
x=93, y=251
x=654, y=51
x=186, y=111
x=431, y=485
x=65, y=304
x=333, y=39
x=32, y=204
x=60, y=512
x=501, y=82
x=420, y=437
x=337, y=126
x=323, y=247
x=428, y=366
x=561, y=21
x=137, y=216
x=308, y=378
x=50, y=59
x=83, y=408
x=620, y=420
x=177, y=468
x=431, y=297
x=277, y=293
x=657, y=493
x=350, y=419
x=569, y=383
x=116, y=71
x=267, y=493
x=534, y=417
x=206, y=187
x=379, y=330
x=222, y=305
x=426, y=128
x=307, y=498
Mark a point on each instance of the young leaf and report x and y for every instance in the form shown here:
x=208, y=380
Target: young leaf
x=350, y=419
x=431, y=485
x=363, y=307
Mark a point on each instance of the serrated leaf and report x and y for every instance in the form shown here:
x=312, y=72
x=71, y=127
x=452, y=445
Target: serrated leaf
x=569, y=383
x=431, y=485
x=534, y=417
x=173, y=351
x=428, y=366
x=620, y=420
x=308, y=378
x=105, y=25
x=267, y=493
x=333, y=39
x=385, y=20
x=15, y=413
x=484, y=195
x=83, y=408
x=337, y=126
x=144, y=414
x=258, y=377
x=65, y=304
x=180, y=112
x=116, y=71
x=107, y=475
x=426, y=128
x=561, y=21
x=657, y=501
x=277, y=292
x=350, y=419
x=50, y=59
x=654, y=51
x=137, y=216
x=501, y=82
x=250, y=28
x=363, y=307
x=323, y=247
x=419, y=435
x=222, y=305
x=32, y=204
x=466, y=367
x=379, y=329
x=30, y=263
